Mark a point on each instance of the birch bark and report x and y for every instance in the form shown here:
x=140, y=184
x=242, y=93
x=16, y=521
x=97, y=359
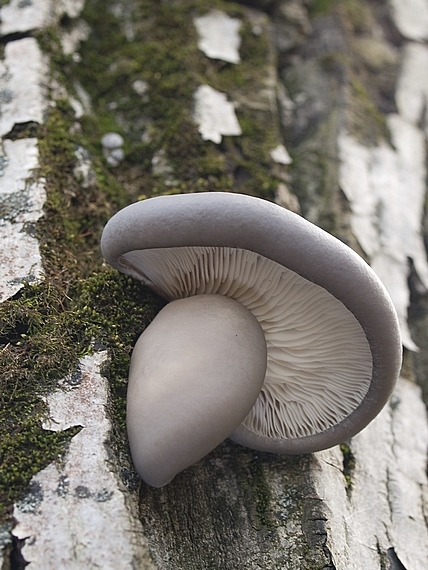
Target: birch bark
x=318, y=105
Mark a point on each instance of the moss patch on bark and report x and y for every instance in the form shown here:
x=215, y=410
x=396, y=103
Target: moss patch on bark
x=82, y=306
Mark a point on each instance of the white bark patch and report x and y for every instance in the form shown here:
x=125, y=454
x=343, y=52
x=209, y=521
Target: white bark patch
x=21, y=204
x=387, y=507
x=71, y=40
x=18, y=16
x=23, y=16
x=280, y=155
x=80, y=500
x=412, y=88
x=215, y=115
x=23, y=77
x=411, y=18
x=219, y=36
x=385, y=187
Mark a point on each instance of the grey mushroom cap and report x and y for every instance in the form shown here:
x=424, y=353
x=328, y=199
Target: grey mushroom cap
x=304, y=254
x=195, y=374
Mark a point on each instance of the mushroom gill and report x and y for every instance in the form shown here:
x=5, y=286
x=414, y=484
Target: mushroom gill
x=319, y=363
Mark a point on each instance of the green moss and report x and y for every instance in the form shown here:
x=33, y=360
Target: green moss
x=26, y=450
x=164, y=54
x=358, y=15
x=348, y=465
x=366, y=122
x=61, y=64
x=81, y=306
x=261, y=495
x=115, y=309
x=35, y=352
x=43, y=333
x=47, y=327
x=320, y=7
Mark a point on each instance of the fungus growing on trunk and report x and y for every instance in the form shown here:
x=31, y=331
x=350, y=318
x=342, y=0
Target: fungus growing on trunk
x=330, y=330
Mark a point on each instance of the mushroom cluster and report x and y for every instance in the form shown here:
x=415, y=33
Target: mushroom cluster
x=276, y=334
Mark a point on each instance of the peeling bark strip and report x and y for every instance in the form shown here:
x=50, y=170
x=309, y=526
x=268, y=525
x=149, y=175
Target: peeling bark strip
x=21, y=205
x=25, y=16
x=77, y=513
x=317, y=100
x=23, y=82
x=386, y=505
x=81, y=501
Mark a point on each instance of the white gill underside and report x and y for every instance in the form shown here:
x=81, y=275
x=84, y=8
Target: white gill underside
x=319, y=363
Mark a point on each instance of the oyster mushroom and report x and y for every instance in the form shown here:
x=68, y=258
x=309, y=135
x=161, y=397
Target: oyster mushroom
x=331, y=332
x=195, y=374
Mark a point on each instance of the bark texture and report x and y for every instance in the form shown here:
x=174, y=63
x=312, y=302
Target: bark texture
x=319, y=105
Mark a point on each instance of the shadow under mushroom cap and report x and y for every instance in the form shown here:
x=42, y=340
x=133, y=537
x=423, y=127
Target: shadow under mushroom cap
x=334, y=350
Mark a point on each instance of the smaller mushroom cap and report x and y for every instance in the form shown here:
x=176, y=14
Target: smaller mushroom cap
x=332, y=335
x=196, y=372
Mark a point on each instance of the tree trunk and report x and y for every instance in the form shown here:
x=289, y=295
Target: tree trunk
x=318, y=105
